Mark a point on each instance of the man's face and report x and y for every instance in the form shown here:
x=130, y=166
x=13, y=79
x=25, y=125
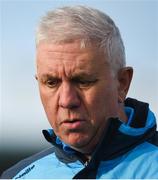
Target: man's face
x=78, y=92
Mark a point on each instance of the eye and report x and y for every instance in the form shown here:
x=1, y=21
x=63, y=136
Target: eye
x=85, y=83
x=52, y=83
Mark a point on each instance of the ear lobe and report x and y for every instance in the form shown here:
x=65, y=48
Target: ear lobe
x=124, y=80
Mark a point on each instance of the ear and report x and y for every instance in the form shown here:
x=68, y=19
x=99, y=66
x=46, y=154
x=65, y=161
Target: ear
x=124, y=80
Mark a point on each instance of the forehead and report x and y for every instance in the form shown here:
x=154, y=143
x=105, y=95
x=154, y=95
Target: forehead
x=52, y=57
x=73, y=49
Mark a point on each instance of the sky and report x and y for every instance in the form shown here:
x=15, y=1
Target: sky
x=22, y=115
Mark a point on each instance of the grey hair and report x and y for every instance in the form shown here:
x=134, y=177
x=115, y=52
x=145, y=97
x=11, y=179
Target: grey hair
x=90, y=26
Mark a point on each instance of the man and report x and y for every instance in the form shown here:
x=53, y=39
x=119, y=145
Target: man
x=83, y=83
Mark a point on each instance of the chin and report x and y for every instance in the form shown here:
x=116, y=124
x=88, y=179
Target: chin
x=77, y=141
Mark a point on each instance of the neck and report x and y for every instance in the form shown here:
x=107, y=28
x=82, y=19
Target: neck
x=85, y=157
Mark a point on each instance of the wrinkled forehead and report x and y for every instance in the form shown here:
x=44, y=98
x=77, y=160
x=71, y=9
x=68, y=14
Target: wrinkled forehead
x=67, y=52
x=48, y=50
x=69, y=56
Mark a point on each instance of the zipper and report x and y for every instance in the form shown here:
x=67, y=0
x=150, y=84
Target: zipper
x=86, y=163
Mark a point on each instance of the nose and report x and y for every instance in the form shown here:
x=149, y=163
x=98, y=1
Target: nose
x=68, y=97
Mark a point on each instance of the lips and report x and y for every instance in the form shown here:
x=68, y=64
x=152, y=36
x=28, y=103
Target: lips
x=73, y=123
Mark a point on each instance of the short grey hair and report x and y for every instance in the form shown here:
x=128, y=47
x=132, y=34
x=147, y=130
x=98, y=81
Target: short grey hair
x=89, y=25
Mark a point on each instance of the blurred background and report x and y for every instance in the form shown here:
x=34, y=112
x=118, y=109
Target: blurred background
x=22, y=116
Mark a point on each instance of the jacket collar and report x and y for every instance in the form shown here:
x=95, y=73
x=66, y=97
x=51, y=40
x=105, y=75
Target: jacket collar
x=117, y=140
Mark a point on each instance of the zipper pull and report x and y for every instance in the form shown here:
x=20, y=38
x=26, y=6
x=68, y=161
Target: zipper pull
x=86, y=163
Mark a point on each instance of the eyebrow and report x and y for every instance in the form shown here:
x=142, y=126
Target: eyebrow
x=75, y=76
x=83, y=76
x=48, y=76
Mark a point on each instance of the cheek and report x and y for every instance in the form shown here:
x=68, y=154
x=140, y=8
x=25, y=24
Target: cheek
x=49, y=103
x=102, y=103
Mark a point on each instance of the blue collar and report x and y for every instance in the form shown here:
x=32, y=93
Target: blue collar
x=130, y=113
x=66, y=147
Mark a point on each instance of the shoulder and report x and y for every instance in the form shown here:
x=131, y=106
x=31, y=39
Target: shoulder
x=139, y=163
x=11, y=172
x=143, y=158
x=144, y=151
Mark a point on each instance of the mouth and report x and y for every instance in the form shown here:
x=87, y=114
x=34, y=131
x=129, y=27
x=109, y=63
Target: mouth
x=73, y=123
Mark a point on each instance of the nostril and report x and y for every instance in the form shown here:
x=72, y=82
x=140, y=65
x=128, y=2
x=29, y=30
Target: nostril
x=69, y=103
x=70, y=106
x=73, y=106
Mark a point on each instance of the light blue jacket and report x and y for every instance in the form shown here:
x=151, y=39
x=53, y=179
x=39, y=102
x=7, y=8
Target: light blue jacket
x=126, y=151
